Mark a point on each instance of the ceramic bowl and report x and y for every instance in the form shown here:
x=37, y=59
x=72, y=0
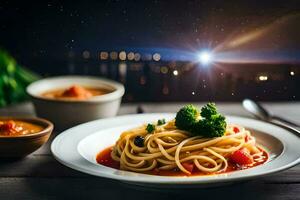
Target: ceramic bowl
x=65, y=113
x=22, y=145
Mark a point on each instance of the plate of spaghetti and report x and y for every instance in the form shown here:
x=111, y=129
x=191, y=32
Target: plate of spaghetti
x=193, y=147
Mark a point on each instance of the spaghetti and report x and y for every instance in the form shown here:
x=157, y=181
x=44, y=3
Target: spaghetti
x=168, y=148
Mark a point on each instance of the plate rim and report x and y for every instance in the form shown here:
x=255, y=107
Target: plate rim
x=170, y=181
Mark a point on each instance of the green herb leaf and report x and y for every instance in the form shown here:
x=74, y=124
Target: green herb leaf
x=150, y=128
x=161, y=122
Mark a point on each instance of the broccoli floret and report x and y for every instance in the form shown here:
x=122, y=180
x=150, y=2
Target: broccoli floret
x=209, y=110
x=161, y=122
x=150, y=128
x=214, y=126
x=186, y=117
x=212, y=123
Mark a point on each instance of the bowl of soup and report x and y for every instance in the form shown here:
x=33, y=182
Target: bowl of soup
x=72, y=100
x=22, y=136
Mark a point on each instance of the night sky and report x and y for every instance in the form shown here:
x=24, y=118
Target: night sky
x=255, y=45
x=53, y=28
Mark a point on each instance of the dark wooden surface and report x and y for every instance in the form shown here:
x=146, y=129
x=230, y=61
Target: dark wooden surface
x=40, y=176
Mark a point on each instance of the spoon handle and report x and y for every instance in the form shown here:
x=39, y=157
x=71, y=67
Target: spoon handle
x=287, y=127
x=285, y=121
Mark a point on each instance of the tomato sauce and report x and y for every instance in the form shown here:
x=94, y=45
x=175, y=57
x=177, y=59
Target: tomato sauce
x=104, y=158
x=75, y=92
x=17, y=127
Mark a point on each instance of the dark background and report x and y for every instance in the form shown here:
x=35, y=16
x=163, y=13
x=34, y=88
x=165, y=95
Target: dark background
x=252, y=41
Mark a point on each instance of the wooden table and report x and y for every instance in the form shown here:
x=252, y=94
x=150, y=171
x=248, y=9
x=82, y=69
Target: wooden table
x=40, y=176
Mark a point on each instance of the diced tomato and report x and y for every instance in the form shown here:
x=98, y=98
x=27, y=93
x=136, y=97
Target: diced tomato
x=188, y=166
x=77, y=91
x=247, y=138
x=241, y=157
x=9, y=125
x=236, y=129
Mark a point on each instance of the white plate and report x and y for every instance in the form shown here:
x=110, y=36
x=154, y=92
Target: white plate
x=77, y=148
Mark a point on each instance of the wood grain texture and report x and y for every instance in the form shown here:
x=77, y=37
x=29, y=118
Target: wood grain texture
x=47, y=166
x=98, y=188
x=40, y=176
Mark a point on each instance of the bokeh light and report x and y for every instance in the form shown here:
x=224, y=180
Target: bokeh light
x=175, y=72
x=103, y=55
x=86, y=54
x=137, y=57
x=113, y=55
x=130, y=56
x=156, y=56
x=205, y=57
x=122, y=55
x=263, y=78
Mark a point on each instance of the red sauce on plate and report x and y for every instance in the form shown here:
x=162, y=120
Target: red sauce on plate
x=104, y=158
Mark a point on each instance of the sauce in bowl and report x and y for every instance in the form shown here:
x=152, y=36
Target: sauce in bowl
x=76, y=92
x=11, y=127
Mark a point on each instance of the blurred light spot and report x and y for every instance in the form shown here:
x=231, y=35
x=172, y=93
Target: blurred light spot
x=103, y=55
x=156, y=56
x=122, y=69
x=122, y=55
x=103, y=69
x=263, y=78
x=137, y=56
x=193, y=93
x=113, y=55
x=175, y=73
x=164, y=70
x=86, y=54
x=130, y=56
x=205, y=57
x=292, y=73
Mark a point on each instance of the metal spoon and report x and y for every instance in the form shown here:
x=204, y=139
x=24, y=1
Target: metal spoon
x=257, y=110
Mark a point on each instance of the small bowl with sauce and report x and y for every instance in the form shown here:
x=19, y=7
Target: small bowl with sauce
x=72, y=100
x=22, y=136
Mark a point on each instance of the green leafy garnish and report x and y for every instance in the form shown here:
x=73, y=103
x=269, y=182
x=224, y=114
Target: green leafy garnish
x=186, y=117
x=209, y=110
x=161, y=122
x=211, y=124
x=215, y=126
x=13, y=80
x=150, y=128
